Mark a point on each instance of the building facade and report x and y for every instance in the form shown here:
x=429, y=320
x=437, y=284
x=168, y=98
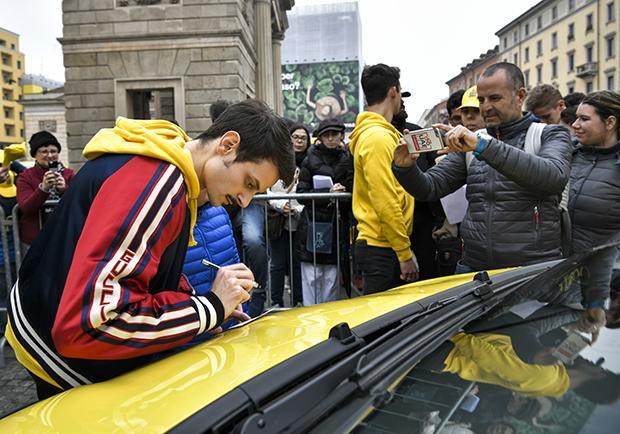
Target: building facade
x=166, y=59
x=46, y=111
x=471, y=72
x=436, y=115
x=321, y=64
x=12, y=67
x=572, y=44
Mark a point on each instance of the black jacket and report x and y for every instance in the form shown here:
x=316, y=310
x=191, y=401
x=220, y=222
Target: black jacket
x=513, y=216
x=337, y=164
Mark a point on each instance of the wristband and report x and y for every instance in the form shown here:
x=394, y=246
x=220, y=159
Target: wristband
x=482, y=144
x=595, y=304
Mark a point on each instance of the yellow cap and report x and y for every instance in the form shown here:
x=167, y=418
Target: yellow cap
x=470, y=98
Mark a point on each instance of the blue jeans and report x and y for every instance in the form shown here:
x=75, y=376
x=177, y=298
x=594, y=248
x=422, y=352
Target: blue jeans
x=463, y=268
x=249, y=227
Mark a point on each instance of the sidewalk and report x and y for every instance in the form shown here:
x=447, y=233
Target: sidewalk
x=16, y=387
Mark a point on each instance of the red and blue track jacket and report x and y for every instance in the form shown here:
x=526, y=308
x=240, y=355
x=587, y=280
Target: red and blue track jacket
x=100, y=290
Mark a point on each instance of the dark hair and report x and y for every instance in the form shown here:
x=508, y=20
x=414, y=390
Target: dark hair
x=295, y=127
x=377, y=81
x=454, y=101
x=606, y=103
x=512, y=71
x=264, y=136
x=217, y=108
x=574, y=98
x=542, y=96
x=569, y=115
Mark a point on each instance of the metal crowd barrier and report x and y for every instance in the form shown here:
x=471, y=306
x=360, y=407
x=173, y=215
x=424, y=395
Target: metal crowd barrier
x=8, y=226
x=336, y=197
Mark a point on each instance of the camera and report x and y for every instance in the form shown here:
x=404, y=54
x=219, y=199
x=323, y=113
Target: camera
x=55, y=166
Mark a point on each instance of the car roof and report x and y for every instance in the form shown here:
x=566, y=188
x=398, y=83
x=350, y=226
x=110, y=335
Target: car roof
x=159, y=396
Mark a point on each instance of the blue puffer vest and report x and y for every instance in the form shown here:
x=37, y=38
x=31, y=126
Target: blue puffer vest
x=216, y=243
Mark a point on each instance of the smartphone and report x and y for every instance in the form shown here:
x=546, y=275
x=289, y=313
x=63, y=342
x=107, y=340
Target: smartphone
x=570, y=347
x=424, y=140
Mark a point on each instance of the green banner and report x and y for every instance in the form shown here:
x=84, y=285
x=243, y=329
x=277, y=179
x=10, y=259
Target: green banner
x=316, y=91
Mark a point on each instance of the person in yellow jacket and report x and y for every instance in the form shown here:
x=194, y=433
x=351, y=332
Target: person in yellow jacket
x=383, y=209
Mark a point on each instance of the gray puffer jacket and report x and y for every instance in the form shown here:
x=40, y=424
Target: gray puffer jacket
x=513, y=216
x=594, y=209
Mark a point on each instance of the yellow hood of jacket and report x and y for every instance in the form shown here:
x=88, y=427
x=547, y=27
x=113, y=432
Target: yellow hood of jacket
x=382, y=207
x=158, y=139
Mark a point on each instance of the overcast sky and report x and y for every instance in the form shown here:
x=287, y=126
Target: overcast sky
x=429, y=40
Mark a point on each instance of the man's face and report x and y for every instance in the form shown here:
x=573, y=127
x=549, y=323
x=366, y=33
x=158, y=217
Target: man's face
x=45, y=154
x=229, y=182
x=550, y=115
x=499, y=102
x=472, y=120
x=397, y=100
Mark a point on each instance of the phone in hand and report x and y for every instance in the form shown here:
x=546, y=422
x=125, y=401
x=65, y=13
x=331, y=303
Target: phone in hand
x=570, y=347
x=424, y=140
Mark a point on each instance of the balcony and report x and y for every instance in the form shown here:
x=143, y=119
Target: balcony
x=587, y=70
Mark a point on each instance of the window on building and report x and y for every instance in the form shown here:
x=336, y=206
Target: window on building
x=539, y=22
x=538, y=74
x=526, y=76
x=2, y=43
x=539, y=48
x=12, y=46
x=8, y=130
x=7, y=95
x=21, y=116
x=610, y=42
x=589, y=54
x=571, y=62
x=527, y=29
x=21, y=132
x=526, y=55
x=571, y=5
x=589, y=23
x=19, y=64
x=610, y=82
x=152, y=104
x=571, y=31
x=7, y=114
x=589, y=87
x=505, y=41
x=554, y=12
x=516, y=59
x=514, y=37
x=554, y=68
x=611, y=12
x=554, y=40
x=571, y=88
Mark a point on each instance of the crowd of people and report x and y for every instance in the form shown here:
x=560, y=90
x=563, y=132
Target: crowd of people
x=542, y=177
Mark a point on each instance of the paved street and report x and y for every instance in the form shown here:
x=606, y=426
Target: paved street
x=16, y=387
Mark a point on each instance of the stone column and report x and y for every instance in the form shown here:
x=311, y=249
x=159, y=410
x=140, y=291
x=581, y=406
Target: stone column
x=276, y=52
x=264, y=67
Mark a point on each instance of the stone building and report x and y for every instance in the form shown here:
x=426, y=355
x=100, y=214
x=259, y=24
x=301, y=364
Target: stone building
x=471, y=72
x=166, y=59
x=46, y=111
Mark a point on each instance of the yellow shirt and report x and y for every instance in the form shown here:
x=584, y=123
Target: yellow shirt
x=491, y=359
x=383, y=209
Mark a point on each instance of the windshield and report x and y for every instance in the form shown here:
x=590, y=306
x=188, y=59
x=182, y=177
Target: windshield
x=527, y=367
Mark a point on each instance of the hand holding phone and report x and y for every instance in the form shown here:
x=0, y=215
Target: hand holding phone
x=424, y=140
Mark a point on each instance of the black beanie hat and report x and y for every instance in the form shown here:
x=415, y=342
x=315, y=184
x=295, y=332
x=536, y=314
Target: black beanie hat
x=42, y=138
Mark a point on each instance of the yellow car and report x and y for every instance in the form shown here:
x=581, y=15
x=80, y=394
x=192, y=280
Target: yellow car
x=425, y=357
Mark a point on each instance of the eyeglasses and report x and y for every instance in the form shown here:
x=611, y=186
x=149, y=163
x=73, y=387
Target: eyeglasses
x=300, y=138
x=47, y=151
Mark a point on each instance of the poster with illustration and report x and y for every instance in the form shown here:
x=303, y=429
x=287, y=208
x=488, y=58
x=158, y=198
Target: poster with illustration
x=316, y=91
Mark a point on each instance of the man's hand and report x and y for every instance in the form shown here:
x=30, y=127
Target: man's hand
x=459, y=138
x=409, y=270
x=402, y=157
x=232, y=285
x=4, y=174
x=591, y=321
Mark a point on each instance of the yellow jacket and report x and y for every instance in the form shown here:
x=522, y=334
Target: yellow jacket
x=383, y=209
x=491, y=359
